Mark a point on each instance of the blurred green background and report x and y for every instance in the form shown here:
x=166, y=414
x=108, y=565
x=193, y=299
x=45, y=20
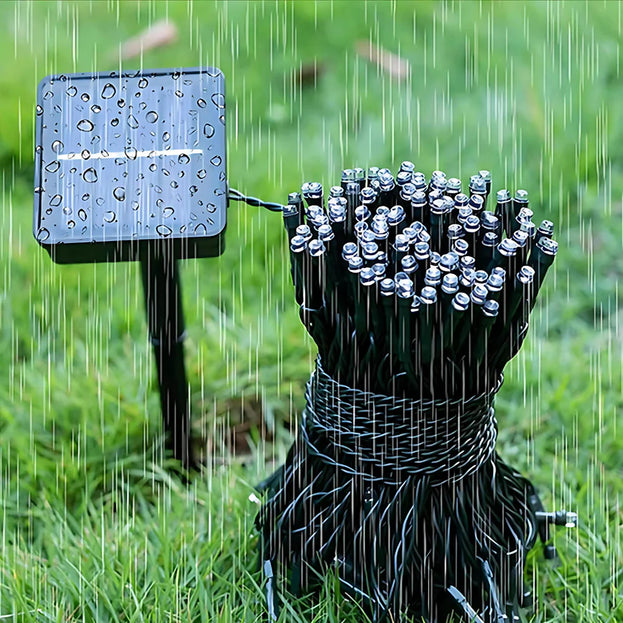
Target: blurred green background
x=93, y=525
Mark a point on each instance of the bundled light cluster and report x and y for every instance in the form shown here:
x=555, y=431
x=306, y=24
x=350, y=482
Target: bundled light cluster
x=412, y=287
x=417, y=296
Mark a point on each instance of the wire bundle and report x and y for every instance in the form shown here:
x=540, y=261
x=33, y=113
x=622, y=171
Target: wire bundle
x=417, y=296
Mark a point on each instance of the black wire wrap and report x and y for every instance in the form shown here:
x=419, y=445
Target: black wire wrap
x=400, y=529
x=375, y=436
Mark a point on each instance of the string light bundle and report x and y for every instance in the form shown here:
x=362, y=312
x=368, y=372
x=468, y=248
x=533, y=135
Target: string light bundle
x=416, y=296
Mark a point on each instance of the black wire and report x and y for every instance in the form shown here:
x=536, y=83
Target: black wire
x=236, y=195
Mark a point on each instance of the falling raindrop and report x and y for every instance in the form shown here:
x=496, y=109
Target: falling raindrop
x=164, y=230
x=90, y=175
x=108, y=91
x=119, y=193
x=152, y=116
x=84, y=125
x=208, y=130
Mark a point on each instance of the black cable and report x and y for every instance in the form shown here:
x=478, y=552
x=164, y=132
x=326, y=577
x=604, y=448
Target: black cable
x=236, y=195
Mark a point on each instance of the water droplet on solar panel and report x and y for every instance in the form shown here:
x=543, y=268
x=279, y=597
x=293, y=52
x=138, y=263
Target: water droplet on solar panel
x=100, y=201
x=174, y=184
x=208, y=130
x=164, y=230
x=85, y=196
x=95, y=108
x=119, y=193
x=211, y=208
x=142, y=83
x=71, y=224
x=201, y=229
x=86, y=154
x=49, y=211
x=133, y=122
x=152, y=116
x=57, y=146
x=67, y=210
x=193, y=189
x=179, y=93
x=108, y=91
x=216, y=160
x=219, y=100
x=153, y=166
x=110, y=216
x=175, y=75
x=222, y=119
x=48, y=95
x=82, y=214
x=182, y=229
x=56, y=200
x=85, y=125
x=71, y=91
x=39, y=110
x=166, y=136
x=121, y=103
x=201, y=103
x=114, y=122
x=131, y=153
x=53, y=167
x=90, y=175
x=183, y=158
x=135, y=205
x=201, y=173
x=168, y=211
x=38, y=149
x=43, y=234
x=85, y=97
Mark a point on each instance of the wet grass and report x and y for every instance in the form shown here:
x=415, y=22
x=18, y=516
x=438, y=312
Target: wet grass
x=94, y=524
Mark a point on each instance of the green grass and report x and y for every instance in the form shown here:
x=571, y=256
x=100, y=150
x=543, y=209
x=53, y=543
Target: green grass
x=94, y=526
